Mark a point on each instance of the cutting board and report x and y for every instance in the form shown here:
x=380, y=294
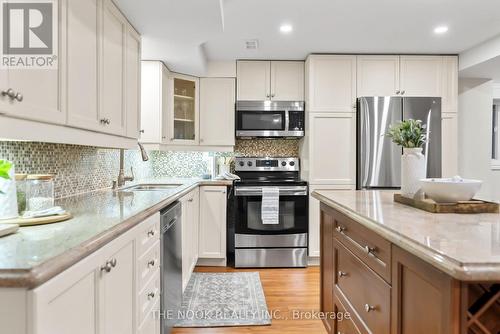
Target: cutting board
x=38, y=221
x=429, y=205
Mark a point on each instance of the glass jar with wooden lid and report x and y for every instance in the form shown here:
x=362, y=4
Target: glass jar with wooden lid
x=39, y=192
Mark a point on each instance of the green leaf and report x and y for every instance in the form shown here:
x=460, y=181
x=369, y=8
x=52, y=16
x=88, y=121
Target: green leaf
x=409, y=133
x=5, y=167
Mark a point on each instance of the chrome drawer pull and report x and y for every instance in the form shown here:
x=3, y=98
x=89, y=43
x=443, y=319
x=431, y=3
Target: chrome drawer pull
x=151, y=295
x=366, y=249
x=369, y=308
x=342, y=274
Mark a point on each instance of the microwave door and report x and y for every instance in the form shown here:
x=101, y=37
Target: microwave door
x=261, y=123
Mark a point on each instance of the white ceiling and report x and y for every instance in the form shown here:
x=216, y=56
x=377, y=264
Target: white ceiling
x=187, y=33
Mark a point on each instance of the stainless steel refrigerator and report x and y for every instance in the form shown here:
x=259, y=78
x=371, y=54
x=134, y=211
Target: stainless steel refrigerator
x=378, y=159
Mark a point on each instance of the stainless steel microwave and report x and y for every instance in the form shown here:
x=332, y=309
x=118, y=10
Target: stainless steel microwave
x=270, y=119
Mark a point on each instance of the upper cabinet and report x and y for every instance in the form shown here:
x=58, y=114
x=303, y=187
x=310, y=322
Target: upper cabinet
x=37, y=93
x=450, y=84
x=112, y=69
x=94, y=87
x=217, y=99
x=331, y=83
x=253, y=80
x=183, y=114
x=377, y=76
x=287, y=80
x=421, y=75
x=270, y=80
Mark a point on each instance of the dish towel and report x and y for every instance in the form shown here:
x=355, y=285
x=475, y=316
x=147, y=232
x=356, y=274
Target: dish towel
x=270, y=209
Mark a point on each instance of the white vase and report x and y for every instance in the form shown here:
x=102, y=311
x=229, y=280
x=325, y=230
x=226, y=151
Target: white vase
x=8, y=197
x=413, y=169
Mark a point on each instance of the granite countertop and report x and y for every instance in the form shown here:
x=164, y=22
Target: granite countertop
x=465, y=246
x=35, y=254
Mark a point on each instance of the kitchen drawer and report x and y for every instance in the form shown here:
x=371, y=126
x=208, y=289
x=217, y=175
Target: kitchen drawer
x=151, y=324
x=149, y=233
x=148, y=297
x=363, y=289
x=374, y=250
x=148, y=265
x=346, y=325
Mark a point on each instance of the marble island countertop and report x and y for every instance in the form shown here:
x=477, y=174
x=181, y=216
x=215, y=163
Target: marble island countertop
x=37, y=253
x=465, y=246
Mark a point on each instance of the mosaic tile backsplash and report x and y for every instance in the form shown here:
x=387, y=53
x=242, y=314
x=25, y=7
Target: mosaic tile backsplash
x=79, y=169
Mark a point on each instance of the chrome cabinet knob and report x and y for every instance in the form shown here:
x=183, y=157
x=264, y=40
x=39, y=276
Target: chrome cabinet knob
x=112, y=263
x=107, y=267
x=273, y=95
x=397, y=92
x=369, y=308
x=403, y=92
x=9, y=92
x=151, y=233
x=163, y=137
x=151, y=295
x=370, y=250
x=340, y=229
x=141, y=131
x=19, y=97
x=151, y=263
x=201, y=140
x=342, y=274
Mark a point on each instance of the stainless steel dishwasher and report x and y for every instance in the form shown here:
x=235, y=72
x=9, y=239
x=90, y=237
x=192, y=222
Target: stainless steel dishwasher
x=171, y=265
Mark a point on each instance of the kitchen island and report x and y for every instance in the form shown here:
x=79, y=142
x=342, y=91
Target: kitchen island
x=397, y=269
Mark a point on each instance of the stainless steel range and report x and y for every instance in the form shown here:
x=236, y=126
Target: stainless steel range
x=255, y=242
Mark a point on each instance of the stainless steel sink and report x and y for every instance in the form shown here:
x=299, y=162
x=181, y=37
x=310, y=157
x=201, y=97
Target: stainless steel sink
x=151, y=187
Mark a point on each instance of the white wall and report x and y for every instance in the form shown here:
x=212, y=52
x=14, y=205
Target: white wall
x=474, y=128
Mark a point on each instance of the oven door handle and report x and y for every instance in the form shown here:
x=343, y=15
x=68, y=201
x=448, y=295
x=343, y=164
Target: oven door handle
x=284, y=191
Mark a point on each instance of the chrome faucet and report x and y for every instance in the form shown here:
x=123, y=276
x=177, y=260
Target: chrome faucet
x=122, y=178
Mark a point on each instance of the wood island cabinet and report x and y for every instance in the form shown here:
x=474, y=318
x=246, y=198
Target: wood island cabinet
x=388, y=290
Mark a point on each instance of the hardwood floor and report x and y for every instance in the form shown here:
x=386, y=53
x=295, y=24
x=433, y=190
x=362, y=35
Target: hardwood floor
x=286, y=290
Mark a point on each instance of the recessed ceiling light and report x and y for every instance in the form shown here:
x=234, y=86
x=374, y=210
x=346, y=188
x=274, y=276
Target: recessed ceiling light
x=286, y=28
x=440, y=30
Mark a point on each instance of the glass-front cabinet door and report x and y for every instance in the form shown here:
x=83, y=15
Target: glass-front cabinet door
x=184, y=114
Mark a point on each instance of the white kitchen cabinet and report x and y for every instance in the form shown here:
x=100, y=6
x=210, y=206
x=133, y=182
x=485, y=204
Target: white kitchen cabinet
x=82, y=71
x=100, y=293
x=154, y=102
x=330, y=83
x=112, y=71
x=183, y=113
x=253, y=80
x=217, y=98
x=449, y=154
x=132, y=82
x=422, y=75
x=314, y=216
x=449, y=102
x=377, y=75
x=287, y=80
x=212, y=235
x=116, y=295
x=190, y=230
x=332, y=148
x=42, y=90
x=259, y=80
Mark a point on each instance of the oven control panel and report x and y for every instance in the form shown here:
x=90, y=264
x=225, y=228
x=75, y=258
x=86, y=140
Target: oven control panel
x=249, y=164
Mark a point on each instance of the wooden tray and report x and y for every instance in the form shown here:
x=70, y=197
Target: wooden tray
x=472, y=206
x=38, y=221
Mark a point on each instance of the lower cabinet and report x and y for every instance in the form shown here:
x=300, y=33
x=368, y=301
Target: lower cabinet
x=212, y=236
x=417, y=298
x=99, y=294
x=190, y=228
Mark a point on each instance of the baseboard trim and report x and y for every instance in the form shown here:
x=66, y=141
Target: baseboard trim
x=202, y=262
x=313, y=261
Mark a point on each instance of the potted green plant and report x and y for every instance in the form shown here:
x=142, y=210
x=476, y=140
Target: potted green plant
x=411, y=135
x=8, y=196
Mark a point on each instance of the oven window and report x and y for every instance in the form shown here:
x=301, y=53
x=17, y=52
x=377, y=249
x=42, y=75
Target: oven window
x=286, y=217
x=265, y=120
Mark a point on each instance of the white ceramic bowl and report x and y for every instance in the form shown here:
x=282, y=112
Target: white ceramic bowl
x=450, y=190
